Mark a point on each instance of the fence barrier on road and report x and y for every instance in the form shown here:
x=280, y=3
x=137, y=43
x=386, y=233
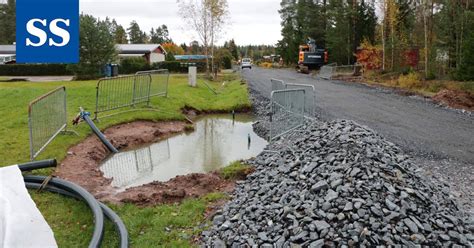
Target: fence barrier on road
x=333, y=71
x=120, y=92
x=310, y=95
x=287, y=111
x=277, y=84
x=159, y=81
x=326, y=71
x=47, y=117
x=347, y=71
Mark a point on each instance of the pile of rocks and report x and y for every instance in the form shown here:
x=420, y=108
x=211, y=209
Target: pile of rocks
x=338, y=184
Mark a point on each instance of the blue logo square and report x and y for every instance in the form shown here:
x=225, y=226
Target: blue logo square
x=47, y=31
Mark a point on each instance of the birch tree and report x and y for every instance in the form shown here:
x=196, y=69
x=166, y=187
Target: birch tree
x=207, y=19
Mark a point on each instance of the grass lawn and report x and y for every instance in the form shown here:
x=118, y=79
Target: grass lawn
x=165, y=225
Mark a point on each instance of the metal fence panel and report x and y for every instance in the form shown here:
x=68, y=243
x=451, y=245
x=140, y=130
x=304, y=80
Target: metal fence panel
x=287, y=111
x=124, y=91
x=277, y=84
x=310, y=96
x=47, y=117
x=159, y=81
x=326, y=72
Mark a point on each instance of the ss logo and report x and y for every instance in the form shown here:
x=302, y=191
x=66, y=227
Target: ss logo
x=63, y=35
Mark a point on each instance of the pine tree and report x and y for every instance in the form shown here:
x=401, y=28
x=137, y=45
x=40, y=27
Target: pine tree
x=8, y=22
x=466, y=67
x=97, y=47
x=136, y=35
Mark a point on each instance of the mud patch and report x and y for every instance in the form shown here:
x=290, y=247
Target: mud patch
x=177, y=189
x=455, y=99
x=83, y=160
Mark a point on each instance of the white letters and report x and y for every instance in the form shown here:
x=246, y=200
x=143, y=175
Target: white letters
x=53, y=26
x=42, y=36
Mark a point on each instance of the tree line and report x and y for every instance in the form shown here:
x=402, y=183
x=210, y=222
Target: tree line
x=440, y=30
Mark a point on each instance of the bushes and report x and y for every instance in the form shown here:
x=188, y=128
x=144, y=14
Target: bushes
x=132, y=65
x=179, y=67
x=410, y=81
x=34, y=70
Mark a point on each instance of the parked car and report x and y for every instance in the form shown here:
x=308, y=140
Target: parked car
x=246, y=63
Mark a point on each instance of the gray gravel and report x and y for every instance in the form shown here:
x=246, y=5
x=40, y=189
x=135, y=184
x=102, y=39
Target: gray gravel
x=337, y=184
x=441, y=140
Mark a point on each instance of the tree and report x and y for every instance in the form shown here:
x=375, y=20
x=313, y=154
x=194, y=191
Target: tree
x=8, y=22
x=136, y=35
x=173, y=48
x=292, y=35
x=194, y=47
x=160, y=35
x=466, y=67
x=207, y=18
x=184, y=46
x=120, y=34
x=233, y=49
x=97, y=47
x=224, y=58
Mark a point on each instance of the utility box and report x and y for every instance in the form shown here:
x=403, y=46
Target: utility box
x=192, y=76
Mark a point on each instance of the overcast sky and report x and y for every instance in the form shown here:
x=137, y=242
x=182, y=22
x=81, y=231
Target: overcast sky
x=251, y=21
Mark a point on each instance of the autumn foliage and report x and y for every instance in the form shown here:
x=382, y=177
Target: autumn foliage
x=370, y=56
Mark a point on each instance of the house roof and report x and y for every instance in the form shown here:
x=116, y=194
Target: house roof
x=138, y=48
x=7, y=49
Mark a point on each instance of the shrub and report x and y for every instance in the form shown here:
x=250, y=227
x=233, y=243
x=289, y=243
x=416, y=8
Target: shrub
x=179, y=67
x=266, y=65
x=132, y=65
x=410, y=81
x=34, y=70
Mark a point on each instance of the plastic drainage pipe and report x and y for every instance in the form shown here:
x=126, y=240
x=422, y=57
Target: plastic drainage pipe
x=86, y=116
x=70, y=189
x=83, y=195
x=109, y=213
x=35, y=165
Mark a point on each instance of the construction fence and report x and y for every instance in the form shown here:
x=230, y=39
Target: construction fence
x=47, y=117
x=129, y=91
x=287, y=111
x=334, y=71
x=277, y=84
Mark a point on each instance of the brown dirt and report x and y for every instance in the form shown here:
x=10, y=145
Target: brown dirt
x=455, y=99
x=82, y=167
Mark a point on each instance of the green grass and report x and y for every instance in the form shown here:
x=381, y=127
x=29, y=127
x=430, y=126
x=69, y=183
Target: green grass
x=71, y=221
x=172, y=225
x=14, y=99
x=236, y=170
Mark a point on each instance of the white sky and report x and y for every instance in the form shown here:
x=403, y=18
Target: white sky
x=251, y=21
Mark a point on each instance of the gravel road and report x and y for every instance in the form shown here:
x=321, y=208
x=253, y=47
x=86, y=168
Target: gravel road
x=440, y=140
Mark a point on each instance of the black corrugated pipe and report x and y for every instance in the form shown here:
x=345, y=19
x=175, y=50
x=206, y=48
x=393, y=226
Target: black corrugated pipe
x=85, y=196
x=35, y=165
x=109, y=213
x=70, y=189
x=86, y=116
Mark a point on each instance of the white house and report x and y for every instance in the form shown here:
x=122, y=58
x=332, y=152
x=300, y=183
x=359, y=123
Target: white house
x=152, y=53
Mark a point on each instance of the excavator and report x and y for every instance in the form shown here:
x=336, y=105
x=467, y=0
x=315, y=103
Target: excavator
x=311, y=57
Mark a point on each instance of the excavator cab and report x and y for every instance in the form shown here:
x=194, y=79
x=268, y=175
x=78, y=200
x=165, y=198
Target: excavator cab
x=311, y=57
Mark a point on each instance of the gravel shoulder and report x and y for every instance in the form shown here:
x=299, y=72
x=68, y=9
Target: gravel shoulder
x=440, y=140
x=337, y=184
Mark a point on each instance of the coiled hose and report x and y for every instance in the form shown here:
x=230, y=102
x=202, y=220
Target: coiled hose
x=63, y=187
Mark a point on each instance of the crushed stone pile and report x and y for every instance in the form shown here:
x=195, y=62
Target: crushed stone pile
x=338, y=184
